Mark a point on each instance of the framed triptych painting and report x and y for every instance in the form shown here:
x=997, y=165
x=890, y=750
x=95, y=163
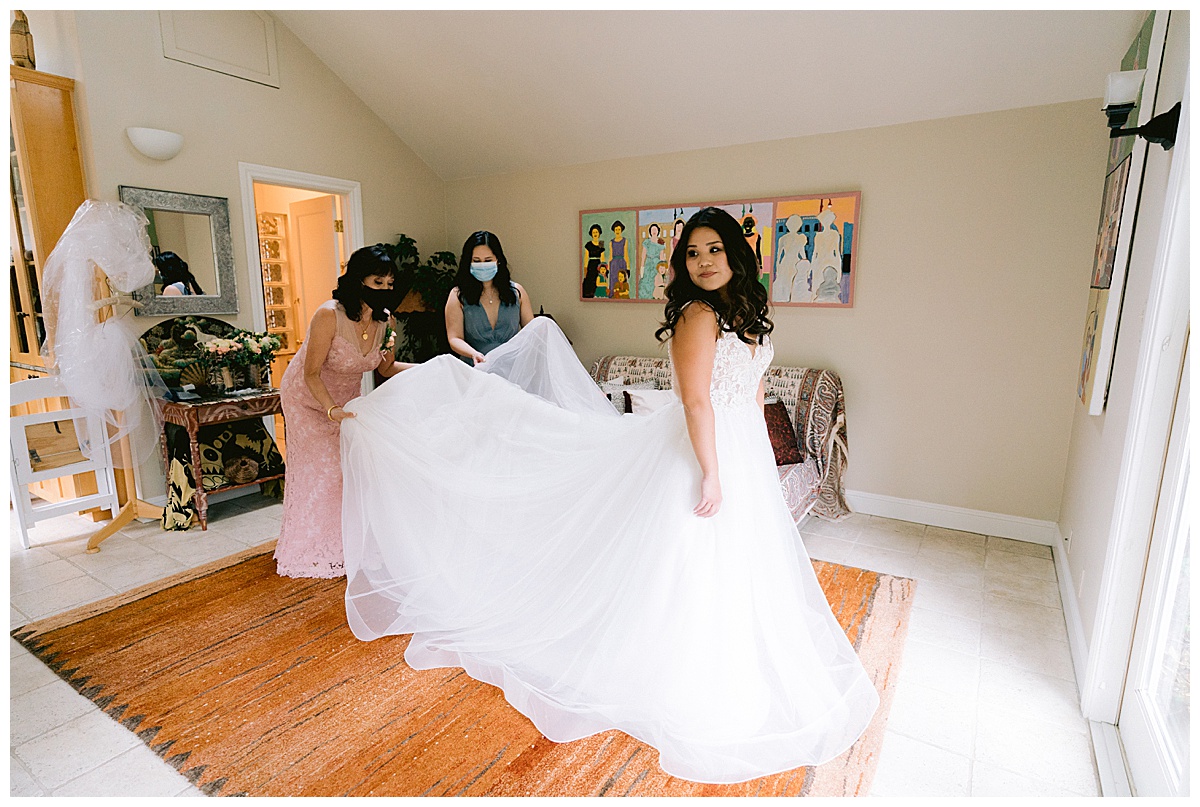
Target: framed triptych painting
x=805, y=245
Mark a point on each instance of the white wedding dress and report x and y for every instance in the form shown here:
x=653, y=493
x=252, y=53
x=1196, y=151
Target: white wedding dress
x=547, y=546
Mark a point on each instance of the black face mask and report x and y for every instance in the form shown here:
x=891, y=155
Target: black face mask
x=381, y=301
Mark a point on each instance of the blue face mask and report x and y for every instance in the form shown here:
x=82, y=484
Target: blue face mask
x=483, y=272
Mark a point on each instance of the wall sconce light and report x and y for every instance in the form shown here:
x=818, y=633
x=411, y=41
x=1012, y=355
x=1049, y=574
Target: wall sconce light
x=157, y=144
x=1119, y=99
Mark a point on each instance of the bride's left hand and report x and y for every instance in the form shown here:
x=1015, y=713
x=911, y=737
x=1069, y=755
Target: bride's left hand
x=710, y=498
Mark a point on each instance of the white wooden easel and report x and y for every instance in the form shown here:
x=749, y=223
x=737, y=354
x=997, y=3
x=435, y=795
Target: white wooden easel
x=109, y=494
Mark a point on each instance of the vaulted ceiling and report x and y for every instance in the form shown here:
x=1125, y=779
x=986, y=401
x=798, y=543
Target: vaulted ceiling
x=476, y=93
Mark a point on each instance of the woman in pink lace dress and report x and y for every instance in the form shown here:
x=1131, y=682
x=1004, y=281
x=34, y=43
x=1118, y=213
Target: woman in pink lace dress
x=345, y=340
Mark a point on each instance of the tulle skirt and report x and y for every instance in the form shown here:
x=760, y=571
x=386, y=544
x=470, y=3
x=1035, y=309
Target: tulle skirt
x=554, y=554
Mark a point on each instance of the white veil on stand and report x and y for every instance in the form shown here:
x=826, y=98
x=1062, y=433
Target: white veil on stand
x=101, y=364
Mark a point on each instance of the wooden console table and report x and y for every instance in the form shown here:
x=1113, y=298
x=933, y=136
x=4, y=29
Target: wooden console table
x=191, y=415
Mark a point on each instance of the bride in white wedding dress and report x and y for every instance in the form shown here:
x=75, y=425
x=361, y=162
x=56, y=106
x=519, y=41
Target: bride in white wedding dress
x=606, y=572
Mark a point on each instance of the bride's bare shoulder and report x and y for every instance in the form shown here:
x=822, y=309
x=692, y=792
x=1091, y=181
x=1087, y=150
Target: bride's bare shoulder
x=697, y=321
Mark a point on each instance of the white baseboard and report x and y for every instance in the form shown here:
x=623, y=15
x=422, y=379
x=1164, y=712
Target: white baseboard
x=1076, y=637
x=954, y=518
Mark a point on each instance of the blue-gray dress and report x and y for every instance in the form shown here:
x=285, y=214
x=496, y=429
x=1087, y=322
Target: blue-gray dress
x=480, y=334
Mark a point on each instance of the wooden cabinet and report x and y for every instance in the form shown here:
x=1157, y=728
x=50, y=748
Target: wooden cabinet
x=46, y=186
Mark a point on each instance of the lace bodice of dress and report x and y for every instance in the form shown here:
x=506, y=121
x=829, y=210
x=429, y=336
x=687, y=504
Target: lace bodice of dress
x=737, y=370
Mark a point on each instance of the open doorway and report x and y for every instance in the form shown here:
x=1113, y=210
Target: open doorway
x=301, y=230
x=302, y=249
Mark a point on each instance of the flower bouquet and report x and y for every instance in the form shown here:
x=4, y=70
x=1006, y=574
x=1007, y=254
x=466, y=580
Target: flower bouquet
x=257, y=351
x=221, y=356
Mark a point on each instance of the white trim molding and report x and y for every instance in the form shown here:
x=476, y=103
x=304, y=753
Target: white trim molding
x=1067, y=591
x=955, y=518
x=1164, y=335
x=199, y=37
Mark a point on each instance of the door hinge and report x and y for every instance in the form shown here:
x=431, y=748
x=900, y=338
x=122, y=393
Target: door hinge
x=337, y=226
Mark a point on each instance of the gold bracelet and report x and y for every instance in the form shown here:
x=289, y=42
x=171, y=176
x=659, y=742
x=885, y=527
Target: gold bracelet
x=329, y=411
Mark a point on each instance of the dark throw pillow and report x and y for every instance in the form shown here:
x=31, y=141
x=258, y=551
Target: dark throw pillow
x=783, y=436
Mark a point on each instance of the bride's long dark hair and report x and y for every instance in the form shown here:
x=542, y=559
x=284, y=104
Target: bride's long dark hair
x=743, y=307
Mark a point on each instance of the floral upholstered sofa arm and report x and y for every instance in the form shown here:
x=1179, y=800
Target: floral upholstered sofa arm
x=815, y=405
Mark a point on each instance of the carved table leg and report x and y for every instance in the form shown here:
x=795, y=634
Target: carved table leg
x=201, y=498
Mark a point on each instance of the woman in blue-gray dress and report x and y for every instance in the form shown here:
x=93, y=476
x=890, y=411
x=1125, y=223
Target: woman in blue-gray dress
x=487, y=307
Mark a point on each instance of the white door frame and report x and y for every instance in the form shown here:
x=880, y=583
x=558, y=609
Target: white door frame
x=1156, y=379
x=1153, y=768
x=248, y=174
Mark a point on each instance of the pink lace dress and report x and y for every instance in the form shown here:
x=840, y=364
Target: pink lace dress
x=310, y=537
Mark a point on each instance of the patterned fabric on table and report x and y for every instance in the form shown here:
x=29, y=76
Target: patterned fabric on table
x=814, y=401
x=219, y=444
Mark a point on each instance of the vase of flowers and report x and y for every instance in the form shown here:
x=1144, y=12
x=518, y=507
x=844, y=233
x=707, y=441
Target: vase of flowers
x=257, y=351
x=221, y=357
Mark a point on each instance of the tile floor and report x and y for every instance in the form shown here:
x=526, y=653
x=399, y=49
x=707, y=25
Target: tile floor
x=986, y=703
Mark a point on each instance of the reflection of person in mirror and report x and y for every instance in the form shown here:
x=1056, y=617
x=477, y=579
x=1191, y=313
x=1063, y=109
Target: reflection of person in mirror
x=177, y=279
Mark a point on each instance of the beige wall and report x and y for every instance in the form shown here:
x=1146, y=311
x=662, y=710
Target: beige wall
x=959, y=356
x=312, y=123
x=1098, y=442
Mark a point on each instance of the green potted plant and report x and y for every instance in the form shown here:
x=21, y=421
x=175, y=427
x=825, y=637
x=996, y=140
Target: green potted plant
x=421, y=327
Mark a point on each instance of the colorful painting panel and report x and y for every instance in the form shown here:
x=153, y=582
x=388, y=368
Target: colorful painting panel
x=758, y=229
x=607, y=252
x=815, y=244
x=655, y=244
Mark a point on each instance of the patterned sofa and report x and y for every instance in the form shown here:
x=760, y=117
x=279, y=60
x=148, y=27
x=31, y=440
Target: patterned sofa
x=816, y=405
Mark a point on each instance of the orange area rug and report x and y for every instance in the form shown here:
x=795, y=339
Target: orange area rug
x=252, y=684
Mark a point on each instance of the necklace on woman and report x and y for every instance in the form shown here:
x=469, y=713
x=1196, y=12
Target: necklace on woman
x=366, y=328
